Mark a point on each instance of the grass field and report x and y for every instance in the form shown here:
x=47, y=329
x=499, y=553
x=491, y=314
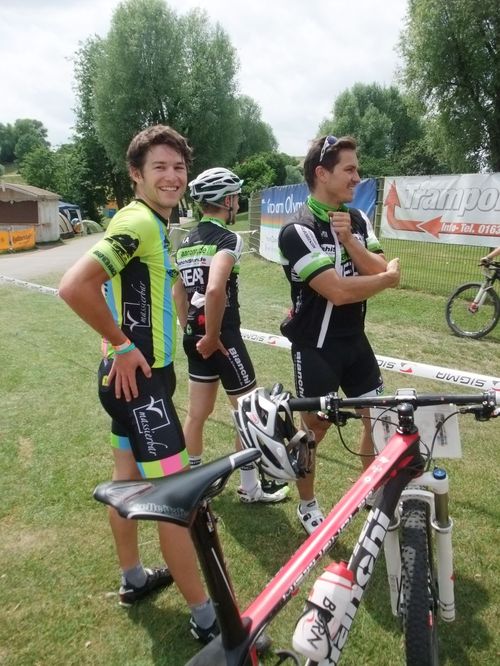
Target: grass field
x=58, y=582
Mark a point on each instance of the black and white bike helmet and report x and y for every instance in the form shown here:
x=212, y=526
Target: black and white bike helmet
x=214, y=184
x=265, y=422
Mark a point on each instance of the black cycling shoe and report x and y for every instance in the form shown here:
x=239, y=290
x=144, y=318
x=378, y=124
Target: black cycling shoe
x=156, y=579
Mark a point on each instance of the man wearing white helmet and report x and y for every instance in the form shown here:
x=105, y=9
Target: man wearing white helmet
x=208, y=310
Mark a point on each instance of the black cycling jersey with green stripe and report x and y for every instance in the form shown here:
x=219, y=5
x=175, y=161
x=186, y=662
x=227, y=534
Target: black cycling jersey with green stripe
x=194, y=258
x=307, y=248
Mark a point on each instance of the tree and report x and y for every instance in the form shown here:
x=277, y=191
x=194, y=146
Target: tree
x=158, y=68
x=19, y=139
x=7, y=143
x=382, y=122
x=256, y=136
x=138, y=75
x=257, y=174
x=208, y=111
x=98, y=179
x=293, y=175
x=266, y=170
x=452, y=65
x=38, y=168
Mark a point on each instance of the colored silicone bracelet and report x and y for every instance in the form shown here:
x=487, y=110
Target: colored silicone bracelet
x=123, y=345
x=128, y=348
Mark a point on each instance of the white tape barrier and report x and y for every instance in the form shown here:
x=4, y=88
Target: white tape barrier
x=409, y=368
x=29, y=285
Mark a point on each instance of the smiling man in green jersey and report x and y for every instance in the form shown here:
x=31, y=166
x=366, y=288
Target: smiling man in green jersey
x=122, y=289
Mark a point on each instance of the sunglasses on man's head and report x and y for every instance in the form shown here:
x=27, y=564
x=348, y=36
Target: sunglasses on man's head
x=330, y=141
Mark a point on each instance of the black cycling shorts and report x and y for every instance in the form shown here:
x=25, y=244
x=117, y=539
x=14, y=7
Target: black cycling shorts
x=234, y=371
x=347, y=363
x=148, y=424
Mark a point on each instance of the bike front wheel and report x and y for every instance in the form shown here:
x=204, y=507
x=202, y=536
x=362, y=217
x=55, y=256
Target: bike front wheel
x=419, y=595
x=469, y=320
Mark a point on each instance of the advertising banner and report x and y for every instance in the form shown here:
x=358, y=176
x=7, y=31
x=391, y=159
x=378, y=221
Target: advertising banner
x=461, y=210
x=20, y=239
x=279, y=203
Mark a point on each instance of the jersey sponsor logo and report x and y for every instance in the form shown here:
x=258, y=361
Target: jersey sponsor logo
x=328, y=249
x=307, y=236
x=243, y=374
x=138, y=314
x=299, y=380
x=124, y=246
x=105, y=262
x=192, y=277
x=149, y=418
x=192, y=262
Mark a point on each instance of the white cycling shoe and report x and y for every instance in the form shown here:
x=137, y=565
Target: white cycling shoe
x=312, y=517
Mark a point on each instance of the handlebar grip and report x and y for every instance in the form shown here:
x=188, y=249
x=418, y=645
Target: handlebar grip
x=307, y=404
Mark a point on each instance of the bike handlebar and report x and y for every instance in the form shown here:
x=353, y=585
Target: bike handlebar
x=491, y=264
x=332, y=402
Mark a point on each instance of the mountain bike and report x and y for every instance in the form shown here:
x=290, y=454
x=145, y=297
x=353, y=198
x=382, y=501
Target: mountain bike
x=419, y=589
x=473, y=310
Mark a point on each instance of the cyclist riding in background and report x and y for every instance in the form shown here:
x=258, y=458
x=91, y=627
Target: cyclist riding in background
x=491, y=255
x=333, y=262
x=208, y=260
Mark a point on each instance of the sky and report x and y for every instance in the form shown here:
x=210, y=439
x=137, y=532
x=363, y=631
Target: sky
x=296, y=56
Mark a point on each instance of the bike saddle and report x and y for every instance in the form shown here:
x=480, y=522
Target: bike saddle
x=173, y=498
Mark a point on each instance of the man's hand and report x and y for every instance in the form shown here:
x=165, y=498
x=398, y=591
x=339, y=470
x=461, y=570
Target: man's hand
x=341, y=224
x=207, y=346
x=124, y=371
x=393, y=272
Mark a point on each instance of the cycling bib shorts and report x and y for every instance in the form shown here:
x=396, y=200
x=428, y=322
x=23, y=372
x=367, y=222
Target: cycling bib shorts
x=148, y=424
x=235, y=371
x=347, y=363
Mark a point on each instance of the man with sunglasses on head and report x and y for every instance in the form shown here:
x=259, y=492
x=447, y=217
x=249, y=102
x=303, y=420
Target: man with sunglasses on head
x=333, y=262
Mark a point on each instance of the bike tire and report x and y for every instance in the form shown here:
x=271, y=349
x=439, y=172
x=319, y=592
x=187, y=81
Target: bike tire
x=419, y=597
x=469, y=324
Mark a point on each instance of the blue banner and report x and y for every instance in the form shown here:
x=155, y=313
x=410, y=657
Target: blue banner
x=280, y=203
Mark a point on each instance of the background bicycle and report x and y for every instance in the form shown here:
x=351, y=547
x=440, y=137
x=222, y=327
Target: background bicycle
x=473, y=309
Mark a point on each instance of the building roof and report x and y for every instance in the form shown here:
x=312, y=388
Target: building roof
x=30, y=190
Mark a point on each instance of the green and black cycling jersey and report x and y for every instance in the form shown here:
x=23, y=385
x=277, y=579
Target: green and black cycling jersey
x=307, y=248
x=194, y=258
x=135, y=254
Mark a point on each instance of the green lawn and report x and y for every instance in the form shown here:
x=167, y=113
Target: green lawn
x=58, y=603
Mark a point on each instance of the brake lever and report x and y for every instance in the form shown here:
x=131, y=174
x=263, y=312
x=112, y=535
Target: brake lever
x=481, y=412
x=338, y=417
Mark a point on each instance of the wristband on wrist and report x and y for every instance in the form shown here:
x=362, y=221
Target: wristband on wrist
x=124, y=347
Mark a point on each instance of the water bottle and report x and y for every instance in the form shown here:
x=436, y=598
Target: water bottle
x=324, y=612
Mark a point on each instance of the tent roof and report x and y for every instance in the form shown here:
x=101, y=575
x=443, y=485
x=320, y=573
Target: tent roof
x=65, y=204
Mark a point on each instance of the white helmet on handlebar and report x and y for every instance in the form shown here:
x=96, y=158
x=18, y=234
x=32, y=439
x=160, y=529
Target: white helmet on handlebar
x=265, y=422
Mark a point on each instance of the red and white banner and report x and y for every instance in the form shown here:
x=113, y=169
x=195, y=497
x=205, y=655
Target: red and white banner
x=461, y=210
x=408, y=368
